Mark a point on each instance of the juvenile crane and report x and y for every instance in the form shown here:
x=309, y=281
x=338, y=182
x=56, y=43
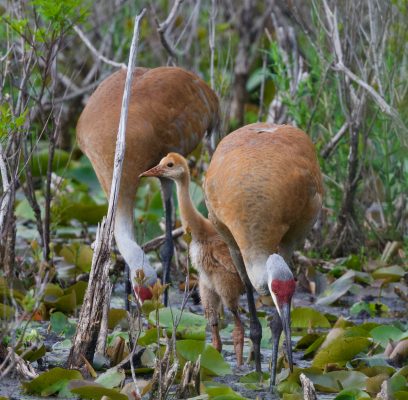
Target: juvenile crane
x=264, y=192
x=218, y=277
x=170, y=110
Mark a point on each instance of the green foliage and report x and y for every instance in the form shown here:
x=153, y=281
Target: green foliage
x=191, y=326
x=53, y=381
x=9, y=123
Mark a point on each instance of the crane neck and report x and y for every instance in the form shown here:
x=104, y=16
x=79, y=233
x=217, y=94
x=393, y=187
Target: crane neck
x=191, y=218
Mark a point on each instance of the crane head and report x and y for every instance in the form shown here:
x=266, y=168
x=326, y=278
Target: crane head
x=142, y=284
x=173, y=166
x=281, y=284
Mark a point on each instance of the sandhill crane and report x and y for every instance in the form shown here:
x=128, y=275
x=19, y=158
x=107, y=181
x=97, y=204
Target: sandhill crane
x=170, y=110
x=218, y=277
x=264, y=192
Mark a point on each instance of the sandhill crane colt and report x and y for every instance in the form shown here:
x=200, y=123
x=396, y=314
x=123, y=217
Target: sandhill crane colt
x=218, y=277
x=170, y=110
x=264, y=192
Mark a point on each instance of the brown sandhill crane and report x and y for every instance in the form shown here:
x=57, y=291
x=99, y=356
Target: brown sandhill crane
x=170, y=110
x=218, y=277
x=264, y=192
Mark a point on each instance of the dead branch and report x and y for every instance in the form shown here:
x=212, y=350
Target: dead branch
x=84, y=341
x=334, y=141
x=95, y=52
x=164, y=27
x=4, y=203
x=309, y=392
x=158, y=241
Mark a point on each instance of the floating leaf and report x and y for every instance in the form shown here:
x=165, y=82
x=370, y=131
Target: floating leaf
x=352, y=394
x=384, y=333
x=334, y=381
x=35, y=353
x=340, y=351
x=92, y=390
x=78, y=254
x=148, y=337
x=255, y=381
x=111, y=378
x=53, y=381
x=211, y=359
x=219, y=391
x=79, y=288
x=40, y=161
x=191, y=326
x=337, y=289
x=305, y=341
x=115, y=316
x=306, y=317
x=390, y=274
x=371, y=308
x=66, y=303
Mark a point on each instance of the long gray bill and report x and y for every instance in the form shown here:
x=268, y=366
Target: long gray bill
x=285, y=317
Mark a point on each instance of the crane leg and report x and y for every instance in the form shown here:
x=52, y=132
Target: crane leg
x=255, y=327
x=238, y=337
x=211, y=304
x=276, y=329
x=167, y=251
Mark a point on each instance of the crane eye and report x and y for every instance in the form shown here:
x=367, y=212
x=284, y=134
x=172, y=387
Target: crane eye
x=170, y=164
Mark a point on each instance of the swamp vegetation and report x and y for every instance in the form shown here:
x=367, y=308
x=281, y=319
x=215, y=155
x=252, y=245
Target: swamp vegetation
x=337, y=70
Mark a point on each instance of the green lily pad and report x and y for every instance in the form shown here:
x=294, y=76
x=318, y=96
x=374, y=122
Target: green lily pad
x=337, y=289
x=219, y=391
x=40, y=161
x=352, y=394
x=92, y=390
x=79, y=288
x=306, y=317
x=384, y=333
x=340, y=351
x=211, y=359
x=390, y=274
x=53, y=381
x=191, y=326
x=148, y=337
x=111, y=378
x=115, y=316
x=35, y=353
x=78, y=254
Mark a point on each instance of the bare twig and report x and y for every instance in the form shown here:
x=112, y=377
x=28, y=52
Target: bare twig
x=4, y=203
x=95, y=51
x=158, y=241
x=211, y=39
x=334, y=141
x=163, y=29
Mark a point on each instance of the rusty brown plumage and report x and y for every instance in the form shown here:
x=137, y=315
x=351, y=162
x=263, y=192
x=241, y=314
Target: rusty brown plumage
x=219, y=282
x=264, y=192
x=264, y=189
x=170, y=110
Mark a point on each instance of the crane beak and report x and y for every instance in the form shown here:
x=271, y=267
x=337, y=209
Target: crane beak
x=285, y=318
x=155, y=171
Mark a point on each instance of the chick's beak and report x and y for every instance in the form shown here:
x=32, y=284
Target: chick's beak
x=285, y=318
x=155, y=171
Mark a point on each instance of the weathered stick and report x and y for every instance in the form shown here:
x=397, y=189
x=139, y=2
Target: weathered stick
x=89, y=322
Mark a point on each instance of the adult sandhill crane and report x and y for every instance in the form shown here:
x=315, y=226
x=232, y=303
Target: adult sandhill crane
x=170, y=110
x=218, y=277
x=264, y=192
